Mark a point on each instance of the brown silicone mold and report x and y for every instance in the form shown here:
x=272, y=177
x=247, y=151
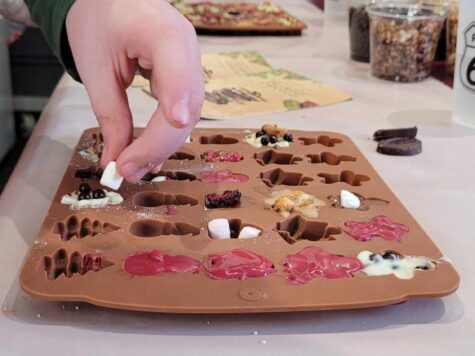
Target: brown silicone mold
x=79, y=254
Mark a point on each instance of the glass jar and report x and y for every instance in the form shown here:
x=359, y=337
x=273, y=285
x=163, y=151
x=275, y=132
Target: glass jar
x=403, y=39
x=452, y=26
x=359, y=30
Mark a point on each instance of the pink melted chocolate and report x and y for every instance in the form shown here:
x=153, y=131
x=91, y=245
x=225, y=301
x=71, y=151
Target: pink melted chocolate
x=238, y=264
x=223, y=176
x=221, y=156
x=171, y=210
x=380, y=226
x=155, y=262
x=315, y=262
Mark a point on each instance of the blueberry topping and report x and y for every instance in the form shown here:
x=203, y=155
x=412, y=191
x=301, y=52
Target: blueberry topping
x=84, y=196
x=234, y=234
x=394, y=267
x=373, y=257
x=390, y=256
x=84, y=188
x=273, y=139
x=288, y=137
x=424, y=268
x=98, y=194
x=260, y=133
x=264, y=141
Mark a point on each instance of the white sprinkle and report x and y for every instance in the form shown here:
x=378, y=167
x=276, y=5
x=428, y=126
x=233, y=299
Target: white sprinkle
x=263, y=342
x=76, y=307
x=63, y=307
x=38, y=315
x=256, y=333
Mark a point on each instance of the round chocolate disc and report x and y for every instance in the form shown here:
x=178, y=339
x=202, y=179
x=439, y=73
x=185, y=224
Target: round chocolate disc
x=400, y=146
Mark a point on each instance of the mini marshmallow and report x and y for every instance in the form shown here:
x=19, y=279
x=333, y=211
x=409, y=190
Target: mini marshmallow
x=219, y=229
x=188, y=139
x=158, y=179
x=349, y=200
x=110, y=177
x=249, y=232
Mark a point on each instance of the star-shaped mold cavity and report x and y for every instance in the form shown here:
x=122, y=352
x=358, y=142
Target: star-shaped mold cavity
x=81, y=228
x=280, y=177
x=297, y=228
x=274, y=157
x=347, y=177
x=379, y=226
x=329, y=158
x=321, y=140
x=74, y=263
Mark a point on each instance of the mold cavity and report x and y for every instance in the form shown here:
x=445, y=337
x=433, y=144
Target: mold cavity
x=182, y=156
x=281, y=177
x=329, y=158
x=218, y=140
x=275, y=157
x=298, y=228
x=236, y=226
x=171, y=175
x=88, y=173
x=76, y=263
x=152, y=228
x=72, y=227
x=322, y=140
x=347, y=177
x=155, y=199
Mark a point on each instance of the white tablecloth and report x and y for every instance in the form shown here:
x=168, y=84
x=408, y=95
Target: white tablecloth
x=436, y=186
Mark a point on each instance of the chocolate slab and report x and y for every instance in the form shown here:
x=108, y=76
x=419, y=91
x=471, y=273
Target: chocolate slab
x=328, y=161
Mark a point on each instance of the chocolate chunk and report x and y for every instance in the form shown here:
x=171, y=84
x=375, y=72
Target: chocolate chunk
x=400, y=146
x=409, y=132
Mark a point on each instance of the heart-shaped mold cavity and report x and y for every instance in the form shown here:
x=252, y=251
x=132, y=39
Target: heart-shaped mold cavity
x=321, y=140
x=218, y=140
x=74, y=227
x=329, y=158
x=156, y=199
x=274, y=157
x=280, y=177
x=75, y=263
x=171, y=175
x=298, y=228
x=347, y=177
x=153, y=228
x=236, y=226
x=181, y=156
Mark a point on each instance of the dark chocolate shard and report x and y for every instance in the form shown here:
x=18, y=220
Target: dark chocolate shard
x=409, y=132
x=400, y=146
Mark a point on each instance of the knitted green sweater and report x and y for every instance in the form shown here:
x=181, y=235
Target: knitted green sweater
x=50, y=15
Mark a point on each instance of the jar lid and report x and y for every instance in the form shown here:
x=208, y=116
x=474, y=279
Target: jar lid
x=405, y=11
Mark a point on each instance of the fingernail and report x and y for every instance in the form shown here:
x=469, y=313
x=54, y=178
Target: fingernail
x=132, y=172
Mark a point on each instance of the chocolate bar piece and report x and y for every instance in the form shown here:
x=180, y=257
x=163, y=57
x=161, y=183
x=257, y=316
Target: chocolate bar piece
x=409, y=132
x=400, y=146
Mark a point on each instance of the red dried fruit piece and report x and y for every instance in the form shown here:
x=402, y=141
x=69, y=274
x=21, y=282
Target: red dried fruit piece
x=227, y=199
x=91, y=262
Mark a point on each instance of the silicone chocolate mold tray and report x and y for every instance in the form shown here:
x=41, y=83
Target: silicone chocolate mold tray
x=312, y=226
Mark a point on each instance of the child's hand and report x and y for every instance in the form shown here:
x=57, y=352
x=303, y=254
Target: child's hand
x=109, y=39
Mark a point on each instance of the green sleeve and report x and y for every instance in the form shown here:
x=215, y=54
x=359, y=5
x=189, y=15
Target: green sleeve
x=50, y=15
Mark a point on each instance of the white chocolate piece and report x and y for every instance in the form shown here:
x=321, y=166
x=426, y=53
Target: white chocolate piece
x=349, y=200
x=256, y=142
x=110, y=177
x=249, y=232
x=403, y=267
x=219, y=229
x=158, y=179
x=111, y=198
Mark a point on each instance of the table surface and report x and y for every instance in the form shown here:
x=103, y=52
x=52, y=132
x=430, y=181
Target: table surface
x=437, y=187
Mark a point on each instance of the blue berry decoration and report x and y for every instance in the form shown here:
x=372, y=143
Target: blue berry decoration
x=98, y=194
x=264, y=141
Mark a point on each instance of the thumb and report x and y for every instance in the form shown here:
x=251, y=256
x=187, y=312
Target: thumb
x=110, y=104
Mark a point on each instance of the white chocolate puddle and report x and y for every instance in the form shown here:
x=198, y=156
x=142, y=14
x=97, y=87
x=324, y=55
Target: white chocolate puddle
x=256, y=142
x=403, y=267
x=287, y=201
x=111, y=198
